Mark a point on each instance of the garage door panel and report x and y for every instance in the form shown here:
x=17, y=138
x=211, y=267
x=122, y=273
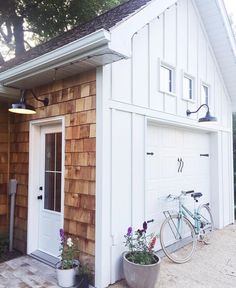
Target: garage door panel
x=163, y=174
x=170, y=138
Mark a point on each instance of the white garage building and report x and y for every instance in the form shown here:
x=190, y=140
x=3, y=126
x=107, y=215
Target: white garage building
x=148, y=61
x=180, y=54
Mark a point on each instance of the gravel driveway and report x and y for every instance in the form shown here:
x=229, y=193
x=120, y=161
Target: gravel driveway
x=212, y=266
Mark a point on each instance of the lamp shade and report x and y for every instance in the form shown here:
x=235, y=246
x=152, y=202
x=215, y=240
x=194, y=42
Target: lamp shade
x=22, y=108
x=207, y=118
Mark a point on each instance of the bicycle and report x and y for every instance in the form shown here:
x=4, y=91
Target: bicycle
x=177, y=230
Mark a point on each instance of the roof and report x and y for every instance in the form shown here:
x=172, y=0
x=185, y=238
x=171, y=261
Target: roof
x=219, y=30
x=104, y=21
x=98, y=42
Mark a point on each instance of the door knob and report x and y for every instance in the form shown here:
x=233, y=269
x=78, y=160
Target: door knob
x=40, y=197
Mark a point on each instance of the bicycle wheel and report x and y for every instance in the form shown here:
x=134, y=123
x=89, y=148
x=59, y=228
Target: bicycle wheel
x=206, y=224
x=178, y=238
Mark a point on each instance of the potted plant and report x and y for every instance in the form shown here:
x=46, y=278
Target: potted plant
x=85, y=276
x=67, y=267
x=140, y=264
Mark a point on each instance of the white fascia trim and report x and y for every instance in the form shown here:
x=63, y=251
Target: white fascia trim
x=221, y=6
x=60, y=55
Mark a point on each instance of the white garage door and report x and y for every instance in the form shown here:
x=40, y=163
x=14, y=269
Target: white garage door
x=177, y=159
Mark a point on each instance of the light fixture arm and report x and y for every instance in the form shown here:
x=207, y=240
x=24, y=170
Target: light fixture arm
x=188, y=112
x=22, y=96
x=45, y=101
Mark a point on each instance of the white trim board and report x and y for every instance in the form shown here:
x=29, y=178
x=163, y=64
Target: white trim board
x=34, y=178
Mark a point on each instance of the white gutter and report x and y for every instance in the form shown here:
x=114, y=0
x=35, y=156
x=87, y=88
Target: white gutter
x=55, y=58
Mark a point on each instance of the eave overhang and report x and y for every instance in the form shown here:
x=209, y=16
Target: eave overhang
x=220, y=34
x=78, y=56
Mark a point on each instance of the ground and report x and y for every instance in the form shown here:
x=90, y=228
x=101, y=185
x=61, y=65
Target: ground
x=5, y=255
x=212, y=266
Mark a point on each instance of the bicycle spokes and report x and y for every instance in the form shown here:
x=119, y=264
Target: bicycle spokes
x=177, y=232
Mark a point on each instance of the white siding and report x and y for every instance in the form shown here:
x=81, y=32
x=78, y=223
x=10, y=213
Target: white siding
x=170, y=35
x=140, y=67
x=138, y=169
x=176, y=37
x=121, y=89
x=156, y=50
x=121, y=198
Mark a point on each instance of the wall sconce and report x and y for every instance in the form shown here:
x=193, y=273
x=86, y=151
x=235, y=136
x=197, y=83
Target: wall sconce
x=23, y=108
x=207, y=118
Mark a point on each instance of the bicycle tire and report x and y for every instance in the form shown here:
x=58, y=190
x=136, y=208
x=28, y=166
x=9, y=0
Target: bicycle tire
x=178, y=246
x=207, y=224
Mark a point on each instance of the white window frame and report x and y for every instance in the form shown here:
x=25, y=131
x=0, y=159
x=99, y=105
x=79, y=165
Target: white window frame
x=209, y=93
x=190, y=77
x=173, y=80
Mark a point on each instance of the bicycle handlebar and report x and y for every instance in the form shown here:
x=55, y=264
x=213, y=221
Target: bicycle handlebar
x=150, y=221
x=181, y=194
x=188, y=192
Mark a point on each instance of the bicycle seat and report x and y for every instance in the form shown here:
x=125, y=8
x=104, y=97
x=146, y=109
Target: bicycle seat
x=196, y=195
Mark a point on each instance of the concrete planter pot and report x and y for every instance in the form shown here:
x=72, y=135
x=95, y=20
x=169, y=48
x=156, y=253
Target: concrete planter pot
x=141, y=276
x=67, y=277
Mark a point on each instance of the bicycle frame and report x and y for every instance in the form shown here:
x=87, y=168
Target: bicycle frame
x=184, y=211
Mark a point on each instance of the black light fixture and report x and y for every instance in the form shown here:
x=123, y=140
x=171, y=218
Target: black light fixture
x=207, y=118
x=23, y=108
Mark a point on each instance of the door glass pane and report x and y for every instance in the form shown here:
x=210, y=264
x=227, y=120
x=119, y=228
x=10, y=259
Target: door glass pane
x=58, y=192
x=50, y=152
x=49, y=191
x=53, y=157
x=58, y=151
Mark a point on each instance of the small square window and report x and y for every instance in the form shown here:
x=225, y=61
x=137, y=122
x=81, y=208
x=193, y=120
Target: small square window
x=187, y=88
x=204, y=94
x=166, y=79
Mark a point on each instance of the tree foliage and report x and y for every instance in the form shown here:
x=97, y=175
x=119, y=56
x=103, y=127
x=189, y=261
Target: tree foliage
x=44, y=19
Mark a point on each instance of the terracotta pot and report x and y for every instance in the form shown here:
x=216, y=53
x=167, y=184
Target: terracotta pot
x=141, y=276
x=67, y=277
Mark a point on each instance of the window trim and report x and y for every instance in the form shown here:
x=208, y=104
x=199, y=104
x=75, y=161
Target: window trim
x=173, y=69
x=203, y=83
x=193, y=79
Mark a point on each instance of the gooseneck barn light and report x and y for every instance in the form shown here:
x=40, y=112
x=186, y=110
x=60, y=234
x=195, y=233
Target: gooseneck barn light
x=207, y=118
x=23, y=108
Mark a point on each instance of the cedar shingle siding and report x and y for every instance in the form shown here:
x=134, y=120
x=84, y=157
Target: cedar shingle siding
x=75, y=98
x=4, y=146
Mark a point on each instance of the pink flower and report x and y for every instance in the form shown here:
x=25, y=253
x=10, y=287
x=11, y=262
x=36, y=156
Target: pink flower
x=152, y=243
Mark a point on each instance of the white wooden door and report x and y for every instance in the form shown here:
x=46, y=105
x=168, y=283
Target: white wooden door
x=177, y=159
x=50, y=197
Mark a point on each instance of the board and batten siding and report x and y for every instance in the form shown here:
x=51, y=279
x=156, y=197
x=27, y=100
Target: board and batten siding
x=131, y=99
x=75, y=99
x=176, y=38
x=4, y=168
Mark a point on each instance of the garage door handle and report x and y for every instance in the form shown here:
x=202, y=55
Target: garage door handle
x=181, y=169
x=179, y=165
x=150, y=153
